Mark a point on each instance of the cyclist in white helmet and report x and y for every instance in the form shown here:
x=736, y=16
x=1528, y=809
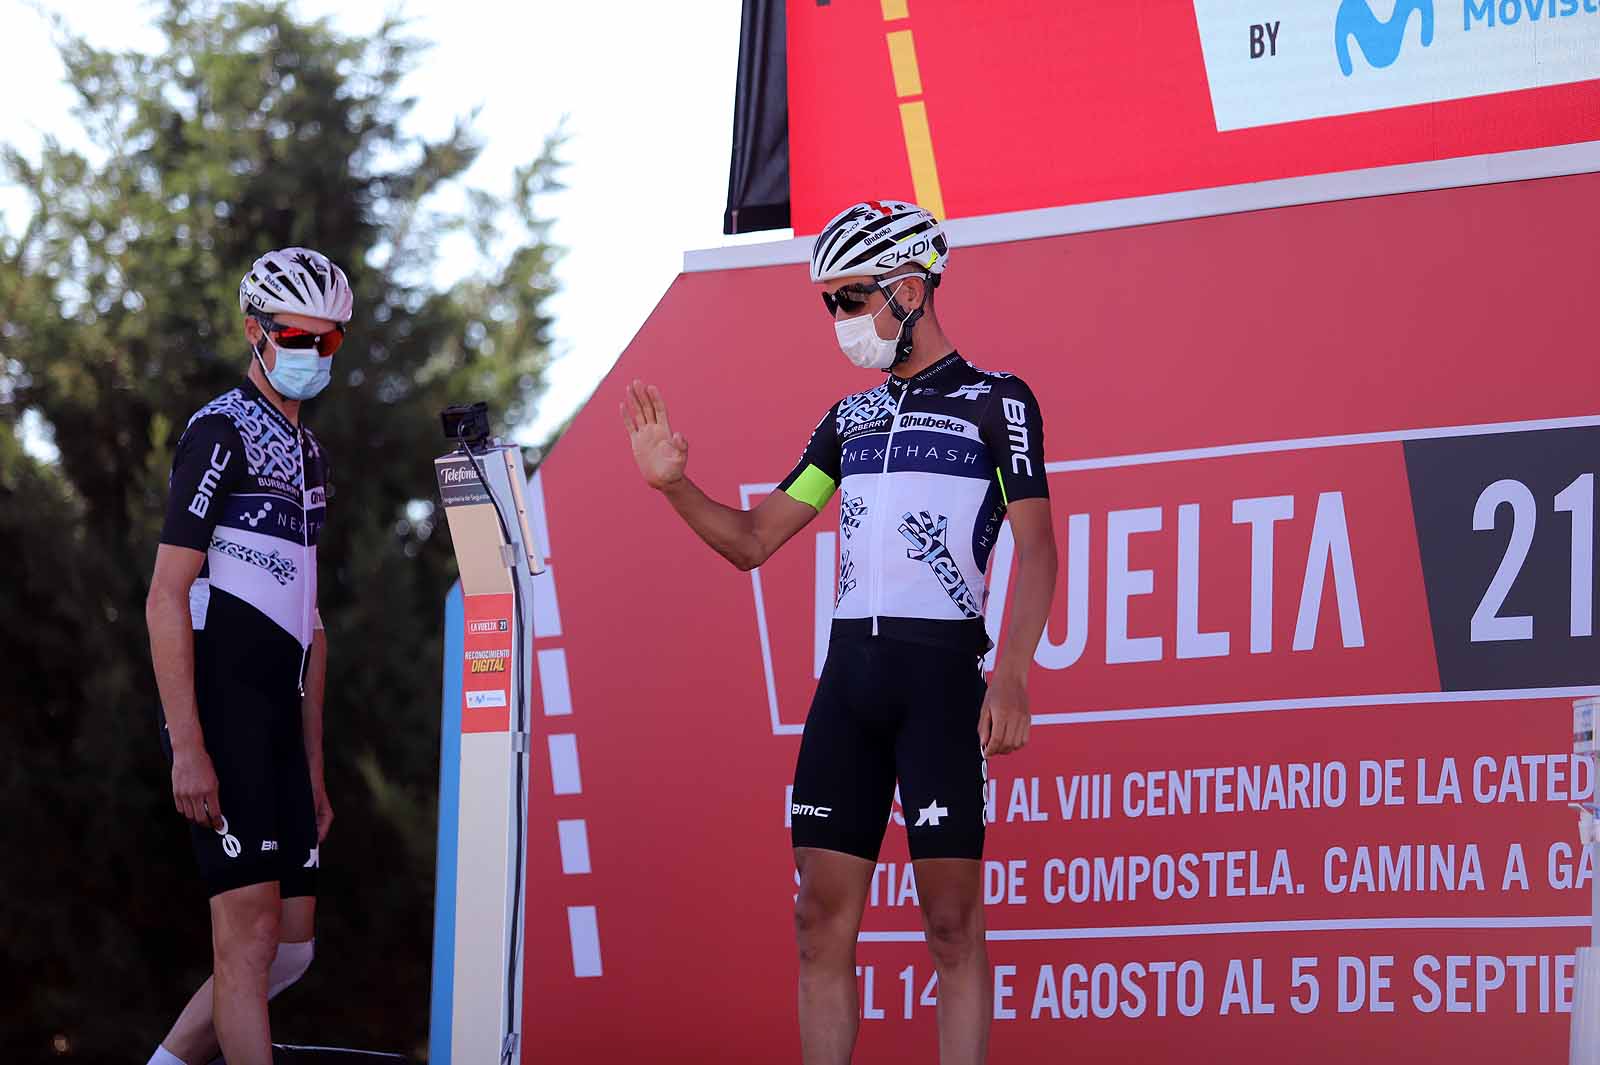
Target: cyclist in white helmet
x=928, y=463
x=240, y=654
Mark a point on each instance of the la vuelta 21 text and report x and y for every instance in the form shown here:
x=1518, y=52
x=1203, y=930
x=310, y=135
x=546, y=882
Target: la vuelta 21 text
x=1245, y=987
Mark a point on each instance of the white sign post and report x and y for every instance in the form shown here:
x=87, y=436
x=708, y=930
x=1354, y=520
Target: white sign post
x=485, y=505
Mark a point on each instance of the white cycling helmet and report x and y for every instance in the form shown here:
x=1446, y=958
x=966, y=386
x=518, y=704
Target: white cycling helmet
x=876, y=236
x=297, y=281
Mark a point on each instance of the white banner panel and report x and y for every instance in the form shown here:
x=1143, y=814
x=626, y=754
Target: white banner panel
x=1271, y=61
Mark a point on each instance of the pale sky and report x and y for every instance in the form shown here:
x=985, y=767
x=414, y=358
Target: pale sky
x=648, y=88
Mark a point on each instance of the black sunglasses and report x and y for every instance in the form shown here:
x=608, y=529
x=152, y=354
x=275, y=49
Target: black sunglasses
x=850, y=298
x=293, y=339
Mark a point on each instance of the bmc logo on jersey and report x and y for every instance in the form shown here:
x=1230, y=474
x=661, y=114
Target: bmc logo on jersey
x=1017, y=430
x=208, y=484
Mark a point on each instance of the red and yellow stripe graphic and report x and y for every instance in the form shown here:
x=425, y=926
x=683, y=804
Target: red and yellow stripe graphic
x=913, y=110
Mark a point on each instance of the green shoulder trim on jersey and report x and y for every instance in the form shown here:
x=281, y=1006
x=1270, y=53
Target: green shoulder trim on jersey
x=1003, y=497
x=813, y=488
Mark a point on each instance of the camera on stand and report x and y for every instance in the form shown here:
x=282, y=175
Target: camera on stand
x=466, y=423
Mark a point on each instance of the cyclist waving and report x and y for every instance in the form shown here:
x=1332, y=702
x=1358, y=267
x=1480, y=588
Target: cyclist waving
x=928, y=463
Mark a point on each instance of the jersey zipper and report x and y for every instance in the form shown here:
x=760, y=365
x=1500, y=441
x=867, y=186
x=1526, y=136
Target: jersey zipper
x=883, y=488
x=305, y=542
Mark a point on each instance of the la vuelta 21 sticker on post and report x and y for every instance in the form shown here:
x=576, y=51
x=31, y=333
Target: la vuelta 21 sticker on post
x=486, y=671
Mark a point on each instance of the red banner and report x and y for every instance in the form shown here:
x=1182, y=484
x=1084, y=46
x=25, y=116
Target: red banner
x=1298, y=784
x=1019, y=104
x=486, y=669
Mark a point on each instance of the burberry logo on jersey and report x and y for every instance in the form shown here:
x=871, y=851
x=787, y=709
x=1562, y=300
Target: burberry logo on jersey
x=932, y=462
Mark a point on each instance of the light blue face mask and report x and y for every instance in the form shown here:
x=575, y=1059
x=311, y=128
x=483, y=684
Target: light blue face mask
x=296, y=374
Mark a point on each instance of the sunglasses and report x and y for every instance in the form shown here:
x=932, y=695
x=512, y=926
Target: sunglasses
x=853, y=298
x=292, y=339
x=849, y=299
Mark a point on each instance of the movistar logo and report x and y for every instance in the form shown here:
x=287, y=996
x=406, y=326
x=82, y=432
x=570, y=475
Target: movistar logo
x=1380, y=41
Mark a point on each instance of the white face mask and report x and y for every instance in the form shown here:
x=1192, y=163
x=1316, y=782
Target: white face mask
x=860, y=342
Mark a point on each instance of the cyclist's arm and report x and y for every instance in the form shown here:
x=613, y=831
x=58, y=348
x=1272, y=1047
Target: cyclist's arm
x=311, y=725
x=1032, y=588
x=1014, y=429
x=166, y=614
x=747, y=538
x=311, y=702
x=205, y=469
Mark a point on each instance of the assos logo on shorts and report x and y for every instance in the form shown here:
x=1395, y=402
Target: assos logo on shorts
x=1380, y=41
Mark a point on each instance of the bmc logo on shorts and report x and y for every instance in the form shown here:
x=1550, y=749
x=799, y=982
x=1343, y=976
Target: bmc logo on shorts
x=805, y=809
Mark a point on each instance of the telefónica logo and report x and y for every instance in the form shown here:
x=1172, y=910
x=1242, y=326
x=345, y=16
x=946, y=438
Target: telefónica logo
x=1380, y=41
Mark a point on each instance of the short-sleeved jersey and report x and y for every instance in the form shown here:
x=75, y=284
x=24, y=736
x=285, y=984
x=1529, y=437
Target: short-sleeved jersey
x=249, y=488
x=925, y=468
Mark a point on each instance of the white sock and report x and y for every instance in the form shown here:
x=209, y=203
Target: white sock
x=163, y=1056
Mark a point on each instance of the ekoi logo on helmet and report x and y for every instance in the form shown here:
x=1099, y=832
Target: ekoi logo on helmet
x=924, y=251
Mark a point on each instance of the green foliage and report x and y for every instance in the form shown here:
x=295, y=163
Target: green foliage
x=252, y=129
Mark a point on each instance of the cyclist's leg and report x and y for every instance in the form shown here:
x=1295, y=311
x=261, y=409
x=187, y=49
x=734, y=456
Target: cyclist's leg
x=942, y=774
x=297, y=850
x=827, y=919
x=241, y=862
x=244, y=939
x=193, y=1038
x=299, y=919
x=844, y=785
x=263, y=835
x=951, y=893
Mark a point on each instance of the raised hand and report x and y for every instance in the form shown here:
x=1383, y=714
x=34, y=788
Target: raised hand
x=660, y=452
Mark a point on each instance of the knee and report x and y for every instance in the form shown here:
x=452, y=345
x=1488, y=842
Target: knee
x=955, y=935
x=820, y=930
x=249, y=942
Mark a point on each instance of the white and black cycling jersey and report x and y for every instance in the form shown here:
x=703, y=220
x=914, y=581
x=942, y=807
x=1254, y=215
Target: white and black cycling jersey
x=925, y=468
x=249, y=488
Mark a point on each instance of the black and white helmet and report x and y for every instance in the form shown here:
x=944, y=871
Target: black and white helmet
x=876, y=236
x=297, y=281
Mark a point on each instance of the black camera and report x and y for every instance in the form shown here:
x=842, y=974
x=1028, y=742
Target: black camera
x=466, y=423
